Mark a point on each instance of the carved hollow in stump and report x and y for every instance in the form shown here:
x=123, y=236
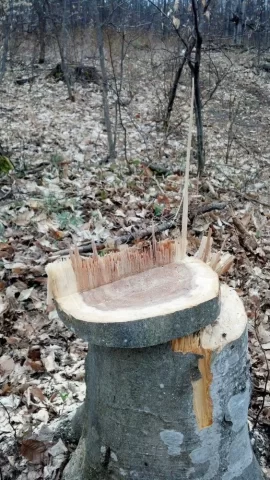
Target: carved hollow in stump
x=167, y=373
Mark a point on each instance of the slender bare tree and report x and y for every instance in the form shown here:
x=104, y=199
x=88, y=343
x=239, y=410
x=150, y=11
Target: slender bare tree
x=105, y=88
x=7, y=18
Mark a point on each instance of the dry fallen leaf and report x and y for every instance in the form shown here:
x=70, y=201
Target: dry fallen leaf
x=264, y=335
x=6, y=389
x=147, y=171
x=49, y=363
x=120, y=213
x=54, y=396
x=41, y=416
x=36, y=366
x=58, y=453
x=19, y=268
x=6, y=366
x=34, y=353
x=24, y=218
x=25, y=294
x=37, y=392
x=6, y=250
x=34, y=450
x=3, y=306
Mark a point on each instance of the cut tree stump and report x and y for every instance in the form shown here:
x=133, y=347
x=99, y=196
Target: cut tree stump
x=167, y=372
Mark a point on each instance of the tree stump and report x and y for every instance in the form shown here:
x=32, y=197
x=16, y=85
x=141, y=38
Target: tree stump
x=167, y=373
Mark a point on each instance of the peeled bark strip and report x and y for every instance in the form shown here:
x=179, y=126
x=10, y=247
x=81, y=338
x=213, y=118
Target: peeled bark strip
x=202, y=402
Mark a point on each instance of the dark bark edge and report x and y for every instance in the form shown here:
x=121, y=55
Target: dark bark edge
x=145, y=332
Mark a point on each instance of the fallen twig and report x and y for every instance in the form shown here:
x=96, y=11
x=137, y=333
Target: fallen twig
x=255, y=200
x=161, y=170
x=247, y=240
x=244, y=196
x=121, y=240
x=209, y=207
x=23, y=81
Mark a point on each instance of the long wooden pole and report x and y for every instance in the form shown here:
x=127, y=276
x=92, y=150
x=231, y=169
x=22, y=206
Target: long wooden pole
x=185, y=196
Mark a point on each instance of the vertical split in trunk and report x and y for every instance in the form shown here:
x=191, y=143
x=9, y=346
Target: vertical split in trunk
x=202, y=402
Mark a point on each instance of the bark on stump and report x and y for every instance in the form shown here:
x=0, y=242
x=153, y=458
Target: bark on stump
x=164, y=408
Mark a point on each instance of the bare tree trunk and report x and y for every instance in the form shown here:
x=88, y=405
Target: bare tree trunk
x=176, y=82
x=261, y=30
x=61, y=41
x=65, y=70
x=243, y=19
x=195, y=69
x=42, y=34
x=39, y=7
x=100, y=40
x=163, y=24
x=235, y=33
x=5, y=50
x=62, y=50
x=118, y=91
x=200, y=140
x=233, y=112
x=198, y=115
x=227, y=14
x=7, y=30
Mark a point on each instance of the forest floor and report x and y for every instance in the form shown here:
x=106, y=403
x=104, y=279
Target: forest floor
x=62, y=192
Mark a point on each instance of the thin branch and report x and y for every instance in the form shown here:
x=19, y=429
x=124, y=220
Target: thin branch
x=124, y=239
x=267, y=376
